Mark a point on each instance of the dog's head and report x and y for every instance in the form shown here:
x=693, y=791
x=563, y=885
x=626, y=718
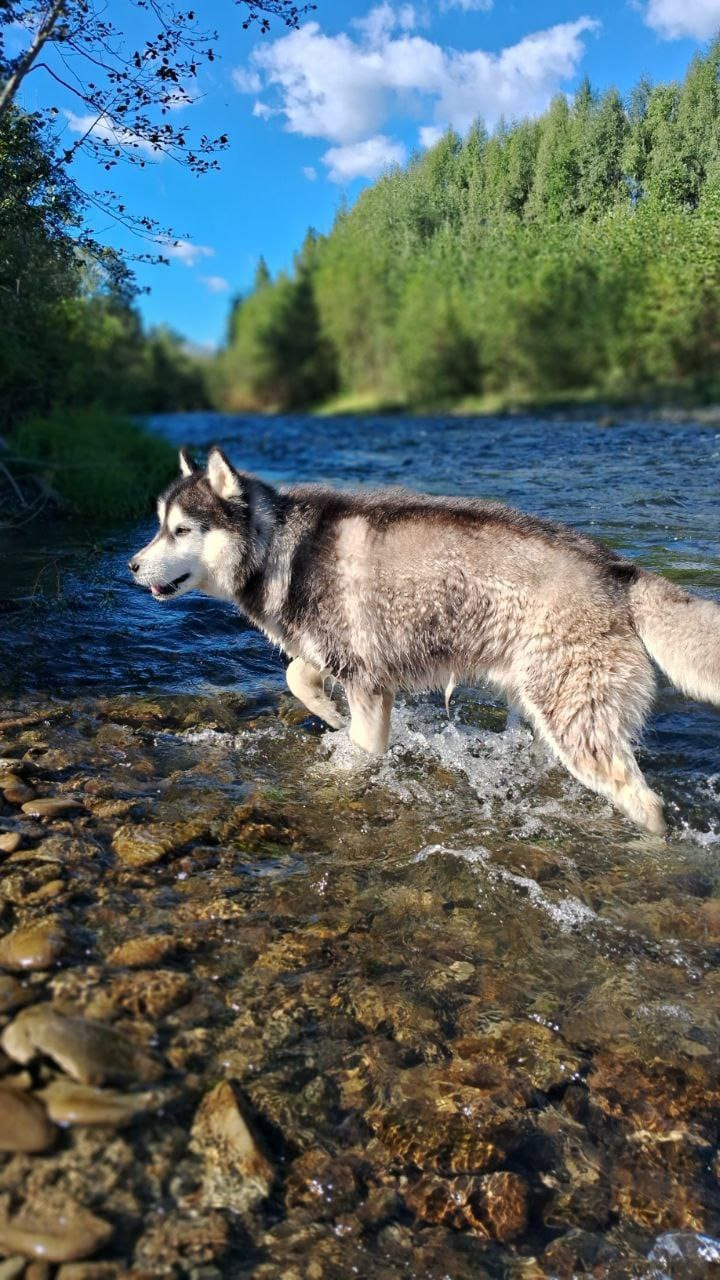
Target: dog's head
x=203, y=536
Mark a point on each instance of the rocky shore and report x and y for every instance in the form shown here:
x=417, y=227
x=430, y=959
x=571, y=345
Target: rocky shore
x=247, y=1031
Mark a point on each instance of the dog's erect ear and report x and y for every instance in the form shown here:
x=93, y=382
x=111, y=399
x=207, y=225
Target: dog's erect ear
x=223, y=477
x=187, y=465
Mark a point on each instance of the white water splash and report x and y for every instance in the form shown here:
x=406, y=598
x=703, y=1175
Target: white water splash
x=567, y=912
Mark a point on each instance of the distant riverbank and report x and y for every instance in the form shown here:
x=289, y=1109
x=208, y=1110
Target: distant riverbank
x=81, y=463
x=577, y=406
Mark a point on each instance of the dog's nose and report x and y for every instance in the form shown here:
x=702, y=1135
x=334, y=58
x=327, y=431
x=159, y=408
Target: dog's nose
x=133, y=565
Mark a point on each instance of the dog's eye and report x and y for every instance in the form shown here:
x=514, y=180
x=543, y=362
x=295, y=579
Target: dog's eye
x=181, y=531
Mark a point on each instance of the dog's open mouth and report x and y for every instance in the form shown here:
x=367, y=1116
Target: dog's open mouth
x=170, y=588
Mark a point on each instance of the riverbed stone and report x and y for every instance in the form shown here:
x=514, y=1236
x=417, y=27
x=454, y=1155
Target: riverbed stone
x=71, y=1103
x=50, y=807
x=10, y=842
x=18, y=793
x=321, y=1183
x=12, y=1268
x=90, y=1052
x=494, y=1206
x=136, y=845
x=53, y=1227
x=24, y=1125
x=237, y=1175
x=151, y=993
x=91, y=1271
x=12, y=994
x=142, y=952
x=36, y=945
x=176, y=1243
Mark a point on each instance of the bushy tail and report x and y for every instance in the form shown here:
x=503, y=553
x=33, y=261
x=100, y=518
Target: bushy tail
x=681, y=632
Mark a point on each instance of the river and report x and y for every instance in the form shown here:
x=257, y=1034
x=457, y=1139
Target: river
x=469, y=1014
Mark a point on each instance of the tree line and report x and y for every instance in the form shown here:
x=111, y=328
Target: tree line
x=574, y=253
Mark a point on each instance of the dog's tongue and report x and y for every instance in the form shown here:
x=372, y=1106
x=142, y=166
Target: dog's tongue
x=156, y=591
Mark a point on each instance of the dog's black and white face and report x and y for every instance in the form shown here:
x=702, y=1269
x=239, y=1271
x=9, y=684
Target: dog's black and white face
x=200, y=544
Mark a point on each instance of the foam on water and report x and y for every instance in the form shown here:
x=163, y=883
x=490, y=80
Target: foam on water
x=502, y=768
x=681, y=1254
x=511, y=773
x=565, y=911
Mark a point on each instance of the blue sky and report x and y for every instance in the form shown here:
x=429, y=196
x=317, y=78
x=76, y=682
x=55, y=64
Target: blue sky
x=314, y=115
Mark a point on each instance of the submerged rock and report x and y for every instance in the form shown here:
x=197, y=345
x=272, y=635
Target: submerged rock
x=24, y=1125
x=142, y=952
x=53, y=1227
x=188, y=1242
x=50, y=807
x=141, y=846
x=151, y=993
x=494, y=1206
x=10, y=841
x=12, y=994
x=90, y=1052
x=32, y=946
x=446, y=1144
x=70, y=1103
x=237, y=1175
x=321, y=1183
x=18, y=792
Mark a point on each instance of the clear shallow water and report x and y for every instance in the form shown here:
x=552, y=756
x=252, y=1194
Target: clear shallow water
x=455, y=942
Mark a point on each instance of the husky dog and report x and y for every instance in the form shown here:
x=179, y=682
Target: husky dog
x=392, y=590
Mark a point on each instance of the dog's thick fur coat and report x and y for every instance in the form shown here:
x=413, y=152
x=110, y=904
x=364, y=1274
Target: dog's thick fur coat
x=393, y=590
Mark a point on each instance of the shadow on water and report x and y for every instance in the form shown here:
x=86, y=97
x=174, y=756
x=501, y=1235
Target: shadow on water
x=469, y=1014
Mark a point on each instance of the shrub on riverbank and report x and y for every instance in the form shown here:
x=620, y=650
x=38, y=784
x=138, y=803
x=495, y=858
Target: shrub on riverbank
x=573, y=252
x=90, y=463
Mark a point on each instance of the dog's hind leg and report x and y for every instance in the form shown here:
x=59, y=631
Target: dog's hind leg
x=587, y=713
x=307, y=683
x=370, y=719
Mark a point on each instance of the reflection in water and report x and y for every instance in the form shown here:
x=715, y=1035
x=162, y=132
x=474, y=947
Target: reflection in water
x=468, y=1012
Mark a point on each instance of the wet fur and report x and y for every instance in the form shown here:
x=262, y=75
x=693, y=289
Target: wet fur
x=391, y=590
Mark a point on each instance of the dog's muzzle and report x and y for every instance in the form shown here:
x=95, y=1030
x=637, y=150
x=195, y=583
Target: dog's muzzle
x=160, y=591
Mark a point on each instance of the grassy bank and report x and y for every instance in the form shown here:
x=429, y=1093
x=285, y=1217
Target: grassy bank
x=674, y=402
x=87, y=463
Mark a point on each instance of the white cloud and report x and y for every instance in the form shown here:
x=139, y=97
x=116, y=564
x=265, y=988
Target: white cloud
x=365, y=159
x=346, y=88
x=215, y=284
x=183, y=251
x=383, y=20
x=103, y=128
x=676, y=19
x=310, y=172
x=468, y=6
x=429, y=134
x=263, y=111
x=246, y=81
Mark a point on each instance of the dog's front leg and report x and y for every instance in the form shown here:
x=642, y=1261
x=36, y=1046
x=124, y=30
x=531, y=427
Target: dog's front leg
x=370, y=719
x=307, y=683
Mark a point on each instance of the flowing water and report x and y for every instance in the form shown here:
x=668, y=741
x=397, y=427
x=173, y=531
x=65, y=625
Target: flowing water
x=469, y=1014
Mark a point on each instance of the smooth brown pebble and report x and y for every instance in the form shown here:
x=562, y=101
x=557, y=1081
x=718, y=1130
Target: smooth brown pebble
x=32, y=946
x=24, y=1125
x=51, y=889
x=11, y=1268
x=12, y=996
x=90, y=1271
x=141, y=953
x=50, y=807
x=71, y=1103
x=90, y=1052
x=10, y=842
x=37, y=1271
x=54, y=1228
x=19, y=793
